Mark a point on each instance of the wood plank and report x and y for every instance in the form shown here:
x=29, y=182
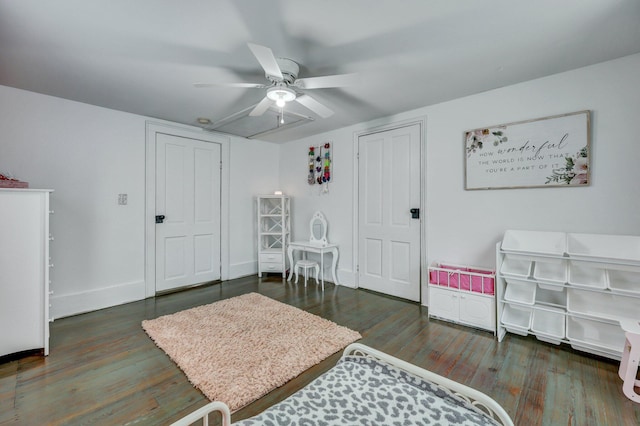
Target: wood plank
x=8, y=384
x=104, y=369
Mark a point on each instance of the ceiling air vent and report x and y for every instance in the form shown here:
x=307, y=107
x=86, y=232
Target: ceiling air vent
x=241, y=124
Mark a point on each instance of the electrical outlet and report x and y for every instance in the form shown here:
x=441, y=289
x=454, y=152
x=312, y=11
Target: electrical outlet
x=122, y=199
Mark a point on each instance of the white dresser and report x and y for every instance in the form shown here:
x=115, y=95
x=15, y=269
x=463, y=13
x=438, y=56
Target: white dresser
x=24, y=270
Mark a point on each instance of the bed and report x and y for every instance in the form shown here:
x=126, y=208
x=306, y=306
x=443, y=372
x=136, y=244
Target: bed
x=369, y=387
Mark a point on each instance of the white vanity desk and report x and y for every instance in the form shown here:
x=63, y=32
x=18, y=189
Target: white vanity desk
x=317, y=244
x=307, y=247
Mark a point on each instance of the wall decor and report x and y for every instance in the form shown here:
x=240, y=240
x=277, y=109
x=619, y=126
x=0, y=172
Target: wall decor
x=546, y=152
x=319, y=164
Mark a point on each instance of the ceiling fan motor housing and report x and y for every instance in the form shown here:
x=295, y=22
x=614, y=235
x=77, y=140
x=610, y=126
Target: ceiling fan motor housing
x=289, y=70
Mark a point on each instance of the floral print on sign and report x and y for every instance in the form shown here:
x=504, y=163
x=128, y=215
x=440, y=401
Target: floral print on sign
x=575, y=170
x=477, y=138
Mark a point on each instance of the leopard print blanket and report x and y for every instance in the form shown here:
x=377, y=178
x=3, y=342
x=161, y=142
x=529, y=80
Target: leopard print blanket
x=364, y=391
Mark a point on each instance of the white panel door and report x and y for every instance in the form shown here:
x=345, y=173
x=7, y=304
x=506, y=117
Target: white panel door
x=388, y=188
x=188, y=196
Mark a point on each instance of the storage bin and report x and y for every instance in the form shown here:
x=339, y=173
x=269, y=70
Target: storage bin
x=516, y=319
x=597, y=351
x=520, y=292
x=625, y=282
x=605, y=305
x=587, y=274
x=519, y=267
x=549, y=325
x=604, y=248
x=551, y=297
x=603, y=335
x=535, y=242
x=551, y=271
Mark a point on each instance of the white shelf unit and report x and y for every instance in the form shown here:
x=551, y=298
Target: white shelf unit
x=24, y=270
x=463, y=294
x=568, y=288
x=274, y=233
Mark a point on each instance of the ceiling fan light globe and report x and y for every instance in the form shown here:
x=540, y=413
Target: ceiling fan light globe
x=281, y=93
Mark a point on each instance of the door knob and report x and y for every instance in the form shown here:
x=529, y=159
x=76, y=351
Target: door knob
x=415, y=213
x=160, y=218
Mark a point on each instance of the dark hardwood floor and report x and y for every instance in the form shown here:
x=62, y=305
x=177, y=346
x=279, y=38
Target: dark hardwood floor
x=103, y=368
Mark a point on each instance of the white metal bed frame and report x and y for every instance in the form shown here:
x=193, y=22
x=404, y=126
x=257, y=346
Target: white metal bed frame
x=476, y=398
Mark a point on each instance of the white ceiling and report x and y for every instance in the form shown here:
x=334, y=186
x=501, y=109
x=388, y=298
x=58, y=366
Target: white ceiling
x=142, y=56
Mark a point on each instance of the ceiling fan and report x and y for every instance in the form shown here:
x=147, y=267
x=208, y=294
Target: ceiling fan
x=285, y=86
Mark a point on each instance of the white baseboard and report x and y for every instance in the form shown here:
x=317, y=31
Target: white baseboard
x=65, y=305
x=346, y=278
x=243, y=269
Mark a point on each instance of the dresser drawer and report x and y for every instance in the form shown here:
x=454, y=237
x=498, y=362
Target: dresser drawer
x=271, y=266
x=271, y=257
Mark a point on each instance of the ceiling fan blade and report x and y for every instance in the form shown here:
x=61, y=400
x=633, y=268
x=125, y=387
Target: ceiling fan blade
x=338, y=80
x=260, y=109
x=264, y=55
x=314, y=106
x=241, y=85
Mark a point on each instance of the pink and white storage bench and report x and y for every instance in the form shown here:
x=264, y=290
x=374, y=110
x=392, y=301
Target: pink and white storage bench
x=463, y=294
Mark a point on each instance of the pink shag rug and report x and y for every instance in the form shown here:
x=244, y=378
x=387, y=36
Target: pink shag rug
x=238, y=350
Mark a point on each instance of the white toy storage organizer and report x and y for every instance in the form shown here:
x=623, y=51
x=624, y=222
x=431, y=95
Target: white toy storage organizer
x=568, y=288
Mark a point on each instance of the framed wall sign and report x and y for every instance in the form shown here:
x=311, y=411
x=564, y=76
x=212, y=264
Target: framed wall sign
x=545, y=152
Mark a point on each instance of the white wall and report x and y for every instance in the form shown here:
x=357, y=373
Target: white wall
x=89, y=155
x=464, y=226
x=336, y=204
x=254, y=171
x=609, y=205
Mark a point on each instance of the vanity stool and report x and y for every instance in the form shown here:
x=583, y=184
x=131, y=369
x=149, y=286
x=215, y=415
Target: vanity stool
x=306, y=265
x=630, y=359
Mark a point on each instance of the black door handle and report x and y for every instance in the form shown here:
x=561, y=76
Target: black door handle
x=415, y=213
x=160, y=218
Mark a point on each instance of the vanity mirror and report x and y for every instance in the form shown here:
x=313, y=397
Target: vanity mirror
x=318, y=228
